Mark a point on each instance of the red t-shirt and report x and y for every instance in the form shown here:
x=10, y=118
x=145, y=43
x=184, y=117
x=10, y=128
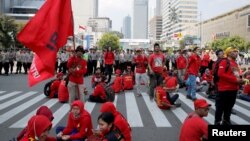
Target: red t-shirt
x=206, y=77
x=140, y=62
x=246, y=90
x=99, y=91
x=117, y=85
x=194, y=64
x=161, y=97
x=80, y=68
x=181, y=62
x=54, y=88
x=205, y=60
x=156, y=62
x=128, y=82
x=193, y=128
x=109, y=58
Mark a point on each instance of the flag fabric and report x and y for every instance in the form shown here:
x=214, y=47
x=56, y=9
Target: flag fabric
x=46, y=32
x=82, y=27
x=38, y=72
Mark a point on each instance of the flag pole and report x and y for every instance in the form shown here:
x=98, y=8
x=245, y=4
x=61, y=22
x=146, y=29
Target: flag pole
x=74, y=45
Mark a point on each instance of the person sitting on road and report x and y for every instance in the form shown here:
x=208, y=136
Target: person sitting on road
x=108, y=131
x=96, y=78
x=117, y=83
x=38, y=129
x=55, y=86
x=171, y=82
x=79, y=125
x=128, y=79
x=43, y=110
x=195, y=127
x=163, y=98
x=245, y=95
x=120, y=122
x=63, y=93
x=99, y=94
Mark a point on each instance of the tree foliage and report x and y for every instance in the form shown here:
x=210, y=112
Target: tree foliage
x=8, y=32
x=234, y=41
x=117, y=33
x=109, y=40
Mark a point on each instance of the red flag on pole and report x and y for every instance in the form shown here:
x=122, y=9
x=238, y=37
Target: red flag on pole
x=47, y=31
x=38, y=72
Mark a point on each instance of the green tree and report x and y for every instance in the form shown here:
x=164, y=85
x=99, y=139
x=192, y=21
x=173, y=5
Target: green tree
x=182, y=44
x=8, y=32
x=117, y=33
x=234, y=41
x=109, y=40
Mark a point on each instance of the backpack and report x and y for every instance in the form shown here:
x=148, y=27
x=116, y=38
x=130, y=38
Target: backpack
x=110, y=93
x=46, y=89
x=215, y=72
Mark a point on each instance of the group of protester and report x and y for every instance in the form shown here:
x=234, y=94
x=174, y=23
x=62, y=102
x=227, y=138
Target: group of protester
x=218, y=70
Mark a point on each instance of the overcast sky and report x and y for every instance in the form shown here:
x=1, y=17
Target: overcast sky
x=118, y=9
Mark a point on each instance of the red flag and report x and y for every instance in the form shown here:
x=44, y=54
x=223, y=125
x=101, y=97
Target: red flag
x=47, y=31
x=82, y=27
x=38, y=72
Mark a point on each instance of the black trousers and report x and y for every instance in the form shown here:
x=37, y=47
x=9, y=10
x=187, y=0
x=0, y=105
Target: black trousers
x=154, y=81
x=1, y=67
x=94, y=64
x=224, y=103
x=173, y=98
x=11, y=66
x=108, y=71
x=6, y=68
x=19, y=67
x=96, y=99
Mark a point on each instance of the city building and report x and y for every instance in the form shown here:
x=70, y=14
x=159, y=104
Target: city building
x=236, y=22
x=177, y=15
x=158, y=8
x=96, y=6
x=126, y=28
x=100, y=24
x=140, y=19
x=155, y=28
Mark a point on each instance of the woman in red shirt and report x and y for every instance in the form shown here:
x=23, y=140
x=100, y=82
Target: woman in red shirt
x=99, y=94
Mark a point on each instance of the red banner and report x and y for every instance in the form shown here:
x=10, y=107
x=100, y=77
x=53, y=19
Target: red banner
x=48, y=31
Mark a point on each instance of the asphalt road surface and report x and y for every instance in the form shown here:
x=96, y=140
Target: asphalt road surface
x=18, y=103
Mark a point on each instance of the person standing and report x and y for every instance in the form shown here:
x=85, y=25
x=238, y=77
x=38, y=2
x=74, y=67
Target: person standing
x=192, y=71
x=109, y=59
x=228, y=86
x=181, y=63
x=77, y=68
x=19, y=62
x=156, y=65
x=195, y=128
x=12, y=58
x=1, y=61
x=140, y=61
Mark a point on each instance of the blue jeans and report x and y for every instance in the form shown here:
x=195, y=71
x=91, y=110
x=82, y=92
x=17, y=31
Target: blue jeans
x=74, y=131
x=245, y=97
x=191, y=86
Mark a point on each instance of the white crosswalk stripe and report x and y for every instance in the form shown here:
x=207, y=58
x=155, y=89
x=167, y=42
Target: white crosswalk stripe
x=246, y=103
x=1, y=92
x=134, y=113
x=158, y=116
x=234, y=118
x=9, y=95
x=23, y=122
x=15, y=100
x=6, y=116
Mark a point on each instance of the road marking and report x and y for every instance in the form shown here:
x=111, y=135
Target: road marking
x=23, y=122
x=15, y=100
x=234, y=118
x=190, y=104
x=180, y=113
x=60, y=113
x=159, y=118
x=89, y=106
x=133, y=114
x=6, y=116
x=242, y=110
x=9, y=95
x=1, y=92
x=246, y=103
x=115, y=101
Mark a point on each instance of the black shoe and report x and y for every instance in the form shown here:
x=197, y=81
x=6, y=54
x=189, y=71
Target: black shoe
x=188, y=97
x=226, y=122
x=177, y=105
x=217, y=123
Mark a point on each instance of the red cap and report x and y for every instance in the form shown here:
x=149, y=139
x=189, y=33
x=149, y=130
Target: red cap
x=201, y=103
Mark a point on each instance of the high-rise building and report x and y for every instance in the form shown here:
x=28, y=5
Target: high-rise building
x=176, y=15
x=155, y=28
x=140, y=19
x=96, y=6
x=158, y=8
x=126, y=28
